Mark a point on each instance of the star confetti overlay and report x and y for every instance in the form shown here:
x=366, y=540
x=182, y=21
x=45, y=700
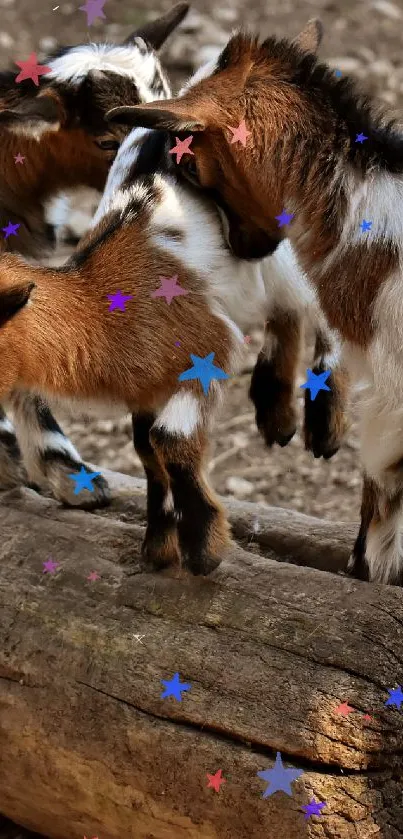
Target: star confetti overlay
x=204, y=370
x=279, y=778
x=174, y=687
x=118, y=301
x=30, y=69
x=395, y=697
x=93, y=9
x=181, y=148
x=216, y=780
x=169, y=289
x=93, y=576
x=316, y=382
x=10, y=230
x=50, y=567
x=19, y=158
x=284, y=218
x=313, y=808
x=83, y=480
x=360, y=138
x=240, y=134
x=365, y=225
x=343, y=709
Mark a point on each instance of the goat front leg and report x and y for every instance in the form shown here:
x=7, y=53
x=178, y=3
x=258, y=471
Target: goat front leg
x=325, y=422
x=272, y=388
x=179, y=440
x=12, y=472
x=49, y=456
x=160, y=547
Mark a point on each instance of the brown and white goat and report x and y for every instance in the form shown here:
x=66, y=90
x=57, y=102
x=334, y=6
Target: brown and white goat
x=317, y=150
x=59, y=130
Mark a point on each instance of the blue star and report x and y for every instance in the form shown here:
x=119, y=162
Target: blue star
x=83, y=480
x=365, y=225
x=313, y=808
x=203, y=369
x=284, y=218
x=337, y=73
x=174, y=687
x=316, y=382
x=359, y=138
x=395, y=697
x=279, y=778
x=10, y=230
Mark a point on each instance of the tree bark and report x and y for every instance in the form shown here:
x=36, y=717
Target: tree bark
x=89, y=748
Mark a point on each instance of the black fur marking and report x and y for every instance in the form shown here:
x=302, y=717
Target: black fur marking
x=46, y=420
x=318, y=414
x=265, y=392
x=344, y=111
x=159, y=522
x=196, y=519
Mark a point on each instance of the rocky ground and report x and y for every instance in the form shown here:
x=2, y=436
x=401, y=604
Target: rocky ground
x=362, y=37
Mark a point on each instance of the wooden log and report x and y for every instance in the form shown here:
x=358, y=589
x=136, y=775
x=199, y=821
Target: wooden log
x=89, y=748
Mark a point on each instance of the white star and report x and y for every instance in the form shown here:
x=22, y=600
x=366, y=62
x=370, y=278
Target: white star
x=138, y=638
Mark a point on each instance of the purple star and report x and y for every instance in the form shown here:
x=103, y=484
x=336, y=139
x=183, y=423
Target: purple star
x=49, y=567
x=284, y=218
x=313, y=808
x=10, y=230
x=94, y=9
x=118, y=301
x=359, y=138
x=169, y=289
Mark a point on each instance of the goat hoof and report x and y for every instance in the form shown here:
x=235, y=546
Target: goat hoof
x=160, y=551
x=57, y=476
x=357, y=567
x=202, y=565
x=325, y=421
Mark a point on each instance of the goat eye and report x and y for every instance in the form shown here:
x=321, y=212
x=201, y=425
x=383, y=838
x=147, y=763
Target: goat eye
x=191, y=170
x=107, y=145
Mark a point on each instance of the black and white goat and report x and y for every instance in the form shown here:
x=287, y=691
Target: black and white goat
x=60, y=132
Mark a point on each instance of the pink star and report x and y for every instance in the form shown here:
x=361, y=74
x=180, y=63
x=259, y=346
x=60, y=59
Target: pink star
x=246, y=339
x=240, y=133
x=181, y=148
x=367, y=717
x=19, y=158
x=93, y=576
x=215, y=780
x=169, y=289
x=30, y=69
x=49, y=567
x=344, y=709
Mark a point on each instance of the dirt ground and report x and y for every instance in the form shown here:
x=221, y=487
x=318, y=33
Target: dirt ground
x=362, y=37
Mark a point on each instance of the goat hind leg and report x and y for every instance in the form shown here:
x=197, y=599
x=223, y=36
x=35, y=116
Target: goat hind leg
x=49, y=456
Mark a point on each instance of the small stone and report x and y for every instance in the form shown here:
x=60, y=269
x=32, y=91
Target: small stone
x=47, y=44
x=206, y=53
x=388, y=9
x=239, y=486
x=381, y=67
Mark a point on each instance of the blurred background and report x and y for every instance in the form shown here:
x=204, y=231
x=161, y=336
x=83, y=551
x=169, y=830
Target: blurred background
x=363, y=38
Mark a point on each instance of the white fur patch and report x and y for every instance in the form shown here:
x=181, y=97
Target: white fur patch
x=126, y=60
x=181, y=415
x=201, y=73
x=6, y=425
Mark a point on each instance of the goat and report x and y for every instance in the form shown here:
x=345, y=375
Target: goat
x=149, y=225
x=320, y=151
x=60, y=131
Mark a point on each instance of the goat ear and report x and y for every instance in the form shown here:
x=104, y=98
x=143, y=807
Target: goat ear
x=33, y=117
x=12, y=300
x=156, y=32
x=309, y=39
x=169, y=115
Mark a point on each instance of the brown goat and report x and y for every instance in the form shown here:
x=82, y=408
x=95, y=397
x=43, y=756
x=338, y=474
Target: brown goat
x=60, y=132
x=318, y=152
